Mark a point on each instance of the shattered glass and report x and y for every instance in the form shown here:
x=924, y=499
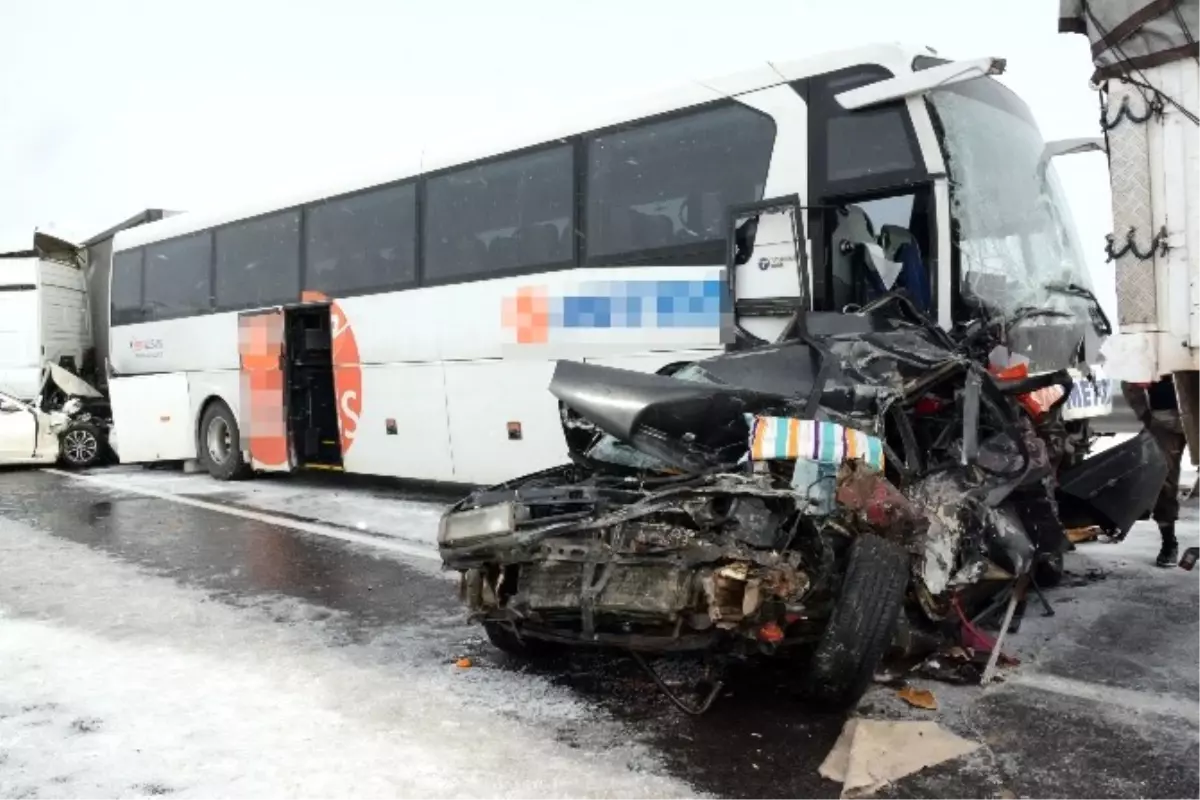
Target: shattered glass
x=1016, y=233
x=612, y=450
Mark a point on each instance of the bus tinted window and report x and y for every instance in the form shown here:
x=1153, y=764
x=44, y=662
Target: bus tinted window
x=507, y=215
x=178, y=277
x=364, y=242
x=668, y=184
x=258, y=262
x=869, y=143
x=852, y=151
x=126, y=287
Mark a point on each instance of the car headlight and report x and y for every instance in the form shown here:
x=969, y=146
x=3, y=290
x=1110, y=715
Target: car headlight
x=478, y=523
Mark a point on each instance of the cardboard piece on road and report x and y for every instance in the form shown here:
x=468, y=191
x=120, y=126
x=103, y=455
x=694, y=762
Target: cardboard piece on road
x=918, y=698
x=1079, y=535
x=871, y=753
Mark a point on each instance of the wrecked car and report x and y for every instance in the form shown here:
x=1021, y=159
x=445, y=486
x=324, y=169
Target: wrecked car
x=804, y=496
x=68, y=424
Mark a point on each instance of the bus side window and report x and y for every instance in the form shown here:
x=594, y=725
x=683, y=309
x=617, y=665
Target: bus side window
x=657, y=191
x=126, y=294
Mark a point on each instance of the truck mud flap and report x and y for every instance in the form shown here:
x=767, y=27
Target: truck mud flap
x=1114, y=488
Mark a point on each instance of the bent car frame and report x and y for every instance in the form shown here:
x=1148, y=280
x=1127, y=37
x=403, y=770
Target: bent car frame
x=799, y=493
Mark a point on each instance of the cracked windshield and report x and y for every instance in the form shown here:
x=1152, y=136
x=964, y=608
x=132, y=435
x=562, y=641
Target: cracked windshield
x=486, y=415
x=1016, y=235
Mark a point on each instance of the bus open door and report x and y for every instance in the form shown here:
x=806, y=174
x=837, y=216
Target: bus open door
x=767, y=269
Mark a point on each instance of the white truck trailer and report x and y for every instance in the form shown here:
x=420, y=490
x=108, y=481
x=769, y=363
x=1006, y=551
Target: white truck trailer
x=44, y=314
x=1148, y=75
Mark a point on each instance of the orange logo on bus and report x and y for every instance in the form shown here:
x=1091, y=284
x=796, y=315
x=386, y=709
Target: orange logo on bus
x=528, y=312
x=347, y=372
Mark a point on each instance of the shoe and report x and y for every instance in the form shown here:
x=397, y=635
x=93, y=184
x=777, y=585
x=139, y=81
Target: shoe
x=1168, y=555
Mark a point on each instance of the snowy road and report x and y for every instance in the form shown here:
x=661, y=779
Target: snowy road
x=163, y=634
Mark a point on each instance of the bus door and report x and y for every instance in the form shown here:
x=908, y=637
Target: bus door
x=311, y=396
x=263, y=401
x=767, y=269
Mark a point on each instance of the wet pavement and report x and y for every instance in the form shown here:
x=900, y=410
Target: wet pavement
x=1136, y=632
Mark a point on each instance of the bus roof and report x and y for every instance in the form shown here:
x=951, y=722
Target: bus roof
x=894, y=56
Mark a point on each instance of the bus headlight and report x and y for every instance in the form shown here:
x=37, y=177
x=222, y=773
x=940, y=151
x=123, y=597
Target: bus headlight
x=478, y=523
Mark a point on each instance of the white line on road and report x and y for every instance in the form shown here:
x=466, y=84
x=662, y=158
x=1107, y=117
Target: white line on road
x=1163, y=704
x=414, y=551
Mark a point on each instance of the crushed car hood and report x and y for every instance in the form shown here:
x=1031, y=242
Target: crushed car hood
x=695, y=417
x=71, y=384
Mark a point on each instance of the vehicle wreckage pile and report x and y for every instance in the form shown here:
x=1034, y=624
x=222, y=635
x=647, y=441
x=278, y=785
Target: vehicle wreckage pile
x=872, y=481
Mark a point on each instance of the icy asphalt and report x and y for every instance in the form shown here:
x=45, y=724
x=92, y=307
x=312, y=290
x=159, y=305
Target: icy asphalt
x=164, y=634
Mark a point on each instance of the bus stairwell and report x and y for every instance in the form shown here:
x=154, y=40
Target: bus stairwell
x=311, y=399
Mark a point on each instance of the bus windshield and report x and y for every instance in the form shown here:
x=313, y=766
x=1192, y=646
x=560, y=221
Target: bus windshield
x=1016, y=238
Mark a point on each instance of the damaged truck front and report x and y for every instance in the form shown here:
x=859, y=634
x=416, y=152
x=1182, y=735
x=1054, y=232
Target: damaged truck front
x=791, y=494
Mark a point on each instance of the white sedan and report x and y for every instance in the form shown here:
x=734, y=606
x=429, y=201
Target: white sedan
x=66, y=427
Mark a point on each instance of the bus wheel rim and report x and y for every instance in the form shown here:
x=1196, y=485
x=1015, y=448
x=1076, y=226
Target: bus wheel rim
x=218, y=440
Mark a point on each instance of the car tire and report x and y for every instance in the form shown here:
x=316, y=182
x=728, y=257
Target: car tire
x=862, y=625
x=81, y=445
x=218, y=444
x=505, y=639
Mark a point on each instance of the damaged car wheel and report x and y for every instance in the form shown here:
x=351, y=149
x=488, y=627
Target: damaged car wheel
x=506, y=639
x=81, y=445
x=862, y=624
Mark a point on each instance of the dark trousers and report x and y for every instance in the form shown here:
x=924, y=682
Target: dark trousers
x=1173, y=442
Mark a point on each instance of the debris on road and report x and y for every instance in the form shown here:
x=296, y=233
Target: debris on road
x=1089, y=534
x=1189, y=558
x=870, y=753
x=918, y=698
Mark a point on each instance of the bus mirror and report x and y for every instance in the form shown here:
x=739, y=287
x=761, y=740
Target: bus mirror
x=1066, y=147
x=916, y=83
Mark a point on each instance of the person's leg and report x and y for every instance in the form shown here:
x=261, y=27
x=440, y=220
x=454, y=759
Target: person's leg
x=1166, y=508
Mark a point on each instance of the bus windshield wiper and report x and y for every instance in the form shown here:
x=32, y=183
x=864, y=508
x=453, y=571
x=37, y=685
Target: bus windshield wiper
x=1030, y=312
x=1096, y=311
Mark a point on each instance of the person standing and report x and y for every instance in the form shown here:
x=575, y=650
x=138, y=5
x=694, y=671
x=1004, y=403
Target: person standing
x=1157, y=407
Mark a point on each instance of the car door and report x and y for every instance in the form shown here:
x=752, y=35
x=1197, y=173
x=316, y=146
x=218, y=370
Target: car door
x=19, y=431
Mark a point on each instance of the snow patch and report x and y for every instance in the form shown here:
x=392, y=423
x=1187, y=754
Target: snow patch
x=114, y=683
x=379, y=511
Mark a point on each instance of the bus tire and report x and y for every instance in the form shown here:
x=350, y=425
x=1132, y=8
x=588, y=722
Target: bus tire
x=218, y=444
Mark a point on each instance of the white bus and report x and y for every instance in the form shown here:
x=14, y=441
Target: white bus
x=408, y=326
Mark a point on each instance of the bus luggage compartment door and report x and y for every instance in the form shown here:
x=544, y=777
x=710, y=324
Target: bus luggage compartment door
x=767, y=269
x=152, y=416
x=263, y=409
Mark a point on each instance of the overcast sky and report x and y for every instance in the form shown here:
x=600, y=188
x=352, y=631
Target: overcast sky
x=108, y=107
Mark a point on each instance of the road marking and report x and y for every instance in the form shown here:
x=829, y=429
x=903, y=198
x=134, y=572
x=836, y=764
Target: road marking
x=330, y=532
x=1164, y=704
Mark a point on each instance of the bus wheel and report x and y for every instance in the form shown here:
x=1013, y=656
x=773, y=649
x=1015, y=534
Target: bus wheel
x=219, y=446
